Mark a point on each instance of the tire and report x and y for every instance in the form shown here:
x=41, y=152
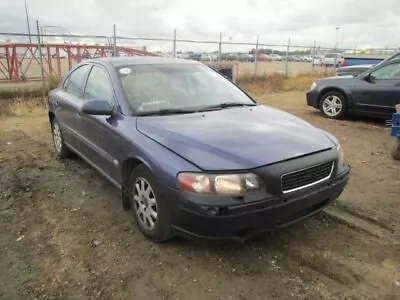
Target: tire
x=126, y=203
x=333, y=105
x=150, y=211
x=396, y=149
x=60, y=149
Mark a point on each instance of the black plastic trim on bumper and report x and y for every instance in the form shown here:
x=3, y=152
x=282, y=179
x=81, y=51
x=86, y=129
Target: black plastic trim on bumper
x=312, y=97
x=254, y=222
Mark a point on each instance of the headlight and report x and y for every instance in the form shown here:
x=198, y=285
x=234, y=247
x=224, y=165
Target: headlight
x=340, y=156
x=219, y=184
x=313, y=85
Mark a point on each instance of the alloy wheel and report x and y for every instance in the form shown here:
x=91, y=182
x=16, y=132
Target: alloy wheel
x=57, y=137
x=332, y=105
x=145, y=203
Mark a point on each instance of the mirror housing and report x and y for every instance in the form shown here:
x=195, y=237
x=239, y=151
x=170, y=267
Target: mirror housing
x=369, y=78
x=97, y=108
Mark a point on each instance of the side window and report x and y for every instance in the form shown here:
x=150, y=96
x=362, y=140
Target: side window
x=388, y=72
x=98, y=86
x=74, y=83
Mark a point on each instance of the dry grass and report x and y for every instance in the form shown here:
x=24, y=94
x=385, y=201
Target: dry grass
x=27, y=89
x=23, y=107
x=276, y=82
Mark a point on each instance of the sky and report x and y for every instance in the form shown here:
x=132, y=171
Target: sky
x=362, y=23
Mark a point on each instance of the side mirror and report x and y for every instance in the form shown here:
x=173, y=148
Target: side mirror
x=97, y=107
x=369, y=78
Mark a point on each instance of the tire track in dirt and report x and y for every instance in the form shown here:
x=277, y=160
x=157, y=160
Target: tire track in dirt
x=365, y=224
x=60, y=206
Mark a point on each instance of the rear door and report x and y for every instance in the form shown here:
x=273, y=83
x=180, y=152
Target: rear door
x=101, y=143
x=68, y=101
x=380, y=92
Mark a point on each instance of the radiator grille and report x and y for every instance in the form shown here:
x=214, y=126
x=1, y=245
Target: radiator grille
x=303, y=178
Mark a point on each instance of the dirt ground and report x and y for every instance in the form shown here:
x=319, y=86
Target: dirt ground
x=64, y=234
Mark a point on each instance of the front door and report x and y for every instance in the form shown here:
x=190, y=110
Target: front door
x=379, y=92
x=100, y=139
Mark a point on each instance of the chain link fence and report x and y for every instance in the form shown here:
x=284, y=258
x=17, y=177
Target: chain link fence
x=28, y=57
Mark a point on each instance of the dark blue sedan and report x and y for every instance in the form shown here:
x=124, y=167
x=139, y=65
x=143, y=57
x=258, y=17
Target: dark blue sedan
x=192, y=153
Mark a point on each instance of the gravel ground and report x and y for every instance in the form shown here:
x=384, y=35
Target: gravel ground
x=64, y=234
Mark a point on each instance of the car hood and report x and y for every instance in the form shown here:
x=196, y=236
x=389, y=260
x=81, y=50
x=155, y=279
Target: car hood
x=337, y=80
x=358, y=67
x=235, y=138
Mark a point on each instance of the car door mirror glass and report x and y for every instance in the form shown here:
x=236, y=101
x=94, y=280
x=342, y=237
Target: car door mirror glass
x=97, y=107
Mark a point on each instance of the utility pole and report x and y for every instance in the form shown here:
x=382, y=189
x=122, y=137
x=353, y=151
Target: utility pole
x=313, y=55
x=337, y=37
x=40, y=57
x=256, y=58
x=337, y=47
x=174, y=45
x=27, y=22
x=114, y=41
x=287, y=59
x=220, y=47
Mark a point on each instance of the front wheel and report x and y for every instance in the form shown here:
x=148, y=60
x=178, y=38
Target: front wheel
x=333, y=105
x=150, y=211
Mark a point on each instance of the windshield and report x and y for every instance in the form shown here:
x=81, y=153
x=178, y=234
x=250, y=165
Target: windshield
x=390, y=58
x=178, y=88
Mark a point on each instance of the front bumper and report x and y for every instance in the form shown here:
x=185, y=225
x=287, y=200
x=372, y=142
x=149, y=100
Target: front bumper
x=240, y=222
x=312, y=97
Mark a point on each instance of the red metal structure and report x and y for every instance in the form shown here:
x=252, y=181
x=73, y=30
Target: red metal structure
x=17, y=61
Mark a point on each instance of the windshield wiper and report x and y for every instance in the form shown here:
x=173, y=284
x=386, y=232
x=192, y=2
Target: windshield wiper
x=167, y=111
x=172, y=111
x=226, y=105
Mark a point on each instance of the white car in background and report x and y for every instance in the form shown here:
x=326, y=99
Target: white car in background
x=317, y=61
x=332, y=59
x=205, y=57
x=276, y=57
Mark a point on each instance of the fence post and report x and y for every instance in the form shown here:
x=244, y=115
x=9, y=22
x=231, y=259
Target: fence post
x=174, y=45
x=287, y=58
x=335, y=60
x=313, y=55
x=220, y=47
x=114, y=41
x=40, y=58
x=256, y=58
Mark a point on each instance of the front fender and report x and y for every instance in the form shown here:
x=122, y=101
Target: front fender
x=346, y=91
x=162, y=162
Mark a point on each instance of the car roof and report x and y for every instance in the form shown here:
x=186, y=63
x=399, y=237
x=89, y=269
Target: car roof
x=141, y=60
